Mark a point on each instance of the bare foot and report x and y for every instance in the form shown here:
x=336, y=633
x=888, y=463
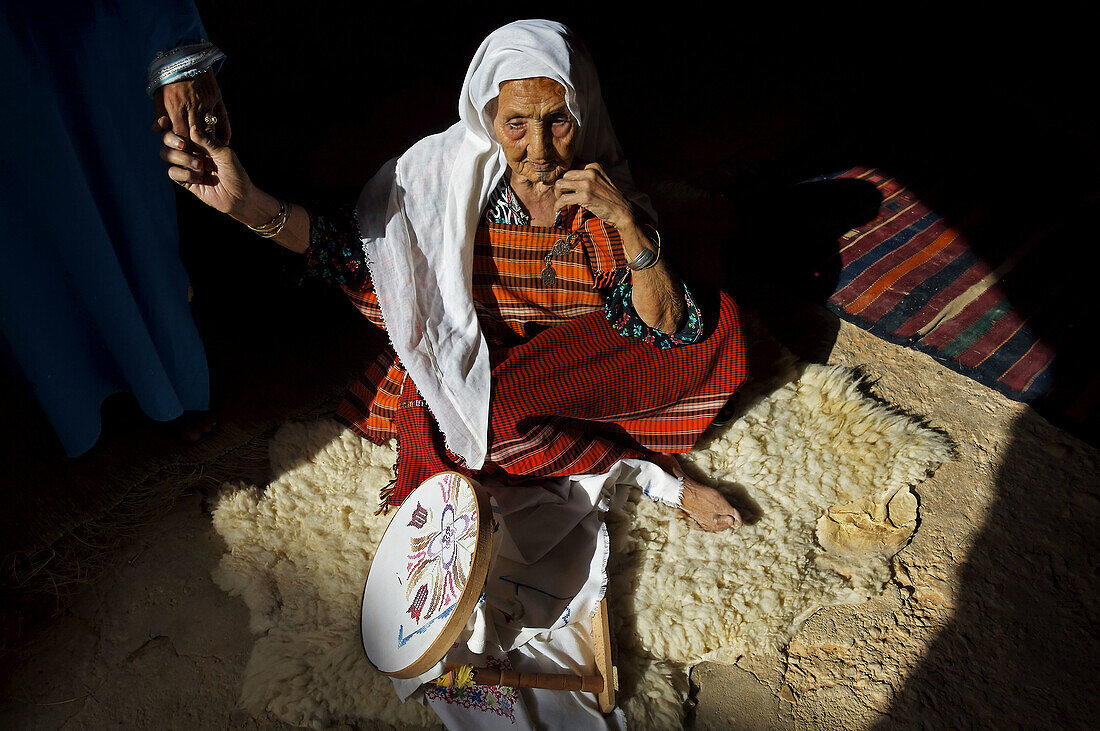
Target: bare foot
x=708, y=508
x=703, y=504
x=194, y=426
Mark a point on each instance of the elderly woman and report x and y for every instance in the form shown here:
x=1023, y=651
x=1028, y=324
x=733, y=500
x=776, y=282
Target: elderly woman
x=535, y=329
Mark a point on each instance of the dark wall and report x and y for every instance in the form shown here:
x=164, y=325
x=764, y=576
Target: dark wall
x=321, y=94
x=971, y=108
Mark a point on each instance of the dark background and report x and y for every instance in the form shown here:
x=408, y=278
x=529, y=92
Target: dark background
x=986, y=114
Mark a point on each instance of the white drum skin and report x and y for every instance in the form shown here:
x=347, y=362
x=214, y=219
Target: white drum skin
x=427, y=575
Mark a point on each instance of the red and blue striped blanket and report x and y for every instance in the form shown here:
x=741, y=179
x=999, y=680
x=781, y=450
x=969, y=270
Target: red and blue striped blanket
x=910, y=277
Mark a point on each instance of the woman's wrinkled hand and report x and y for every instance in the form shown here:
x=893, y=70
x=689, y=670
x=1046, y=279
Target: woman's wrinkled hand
x=591, y=189
x=208, y=169
x=188, y=102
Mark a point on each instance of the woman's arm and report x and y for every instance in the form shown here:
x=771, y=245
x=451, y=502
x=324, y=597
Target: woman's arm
x=215, y=176
x=329, y=237
x=658, y=295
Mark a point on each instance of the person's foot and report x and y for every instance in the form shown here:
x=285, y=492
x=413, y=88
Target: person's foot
x=708, y=508
x=703, y=504
x=194, y=426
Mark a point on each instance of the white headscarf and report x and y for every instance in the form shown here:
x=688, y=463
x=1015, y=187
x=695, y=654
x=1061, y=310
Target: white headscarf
x=418, y=217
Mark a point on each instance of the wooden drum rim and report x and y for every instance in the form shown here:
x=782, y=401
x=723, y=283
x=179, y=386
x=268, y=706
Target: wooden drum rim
x=471, y=592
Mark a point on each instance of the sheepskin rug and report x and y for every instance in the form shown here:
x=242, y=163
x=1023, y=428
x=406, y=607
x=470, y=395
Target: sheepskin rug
x=820, y=471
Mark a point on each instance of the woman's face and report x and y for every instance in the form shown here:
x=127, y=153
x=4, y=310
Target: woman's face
x=533, y=125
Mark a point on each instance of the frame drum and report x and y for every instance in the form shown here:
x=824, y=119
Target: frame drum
x=427, y=575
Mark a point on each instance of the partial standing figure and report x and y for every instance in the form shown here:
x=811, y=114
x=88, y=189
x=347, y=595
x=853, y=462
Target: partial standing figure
x=93, y=293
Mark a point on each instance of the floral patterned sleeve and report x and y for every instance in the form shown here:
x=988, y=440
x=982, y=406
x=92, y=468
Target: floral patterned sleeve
x=335, y=253
x=625, y=320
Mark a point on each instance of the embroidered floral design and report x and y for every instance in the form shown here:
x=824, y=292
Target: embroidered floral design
x=625, y=320
x=438, y=560
x=419, y=517
x=497, y=699
x=335, y=252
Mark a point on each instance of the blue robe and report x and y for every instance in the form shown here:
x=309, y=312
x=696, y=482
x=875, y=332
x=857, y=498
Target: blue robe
x=93, y=294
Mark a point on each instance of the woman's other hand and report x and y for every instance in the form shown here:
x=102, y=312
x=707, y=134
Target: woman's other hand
x=656, y=293
x=208, y=169
x=215, y=176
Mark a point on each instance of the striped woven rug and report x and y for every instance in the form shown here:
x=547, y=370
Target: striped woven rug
x=911, y=278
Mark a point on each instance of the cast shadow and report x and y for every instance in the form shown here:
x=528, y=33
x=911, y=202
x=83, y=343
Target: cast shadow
x=1021, y=645
x=783, y=261
x=624, y=571
x=774, y=250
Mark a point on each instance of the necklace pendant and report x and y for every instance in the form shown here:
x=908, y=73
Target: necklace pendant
x=549, y=276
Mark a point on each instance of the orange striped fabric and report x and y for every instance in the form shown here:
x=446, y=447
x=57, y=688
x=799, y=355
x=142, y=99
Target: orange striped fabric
x=512, y=303
x=890, y=278
x=579, y=396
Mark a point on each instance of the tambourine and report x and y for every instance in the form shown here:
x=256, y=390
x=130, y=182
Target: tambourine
x=425, y=581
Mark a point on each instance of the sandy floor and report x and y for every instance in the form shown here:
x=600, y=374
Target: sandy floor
x=988, y=619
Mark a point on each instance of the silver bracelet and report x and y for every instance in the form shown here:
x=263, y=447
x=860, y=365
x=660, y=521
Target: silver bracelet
x=185, y=62
x=646, y=258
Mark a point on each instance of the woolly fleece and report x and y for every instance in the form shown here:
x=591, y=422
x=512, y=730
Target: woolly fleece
x=820, y=471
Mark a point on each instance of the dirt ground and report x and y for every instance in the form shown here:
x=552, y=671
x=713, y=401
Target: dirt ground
x=986, y=622
x=990, y=619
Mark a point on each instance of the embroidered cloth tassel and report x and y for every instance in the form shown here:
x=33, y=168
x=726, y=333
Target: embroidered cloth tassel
x=457, y=676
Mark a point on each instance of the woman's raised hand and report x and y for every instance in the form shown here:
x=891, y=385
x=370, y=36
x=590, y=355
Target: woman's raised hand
x=590, y=188
x=212, y=171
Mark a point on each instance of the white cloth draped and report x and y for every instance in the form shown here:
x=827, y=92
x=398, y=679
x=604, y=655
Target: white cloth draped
x=418, y=216
x=546, y=579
